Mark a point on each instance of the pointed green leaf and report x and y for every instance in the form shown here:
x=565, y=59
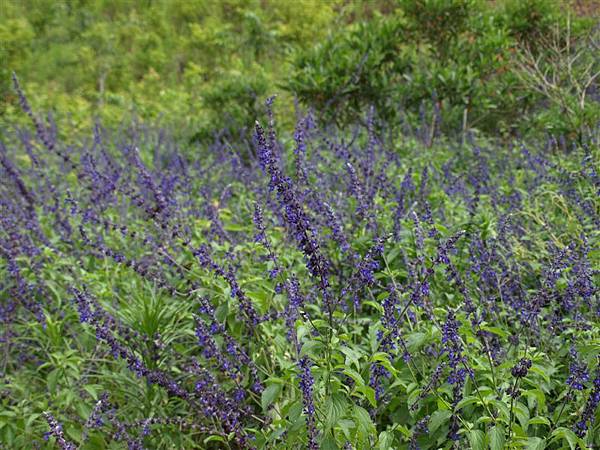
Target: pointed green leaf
x=438, y=418
x=335, y=408
x=385, y=441
x=269, y=395
x=536, y=443
x=477, y=439
x=497, y=437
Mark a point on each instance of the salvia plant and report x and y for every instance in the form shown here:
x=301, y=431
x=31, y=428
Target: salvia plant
x=357, y=288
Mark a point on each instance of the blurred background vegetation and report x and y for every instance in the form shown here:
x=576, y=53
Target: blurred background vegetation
x=518, y=67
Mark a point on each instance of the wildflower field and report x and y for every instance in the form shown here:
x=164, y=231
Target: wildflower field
x=298, y=284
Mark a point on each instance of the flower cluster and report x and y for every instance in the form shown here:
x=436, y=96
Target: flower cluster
x=306, y=386
x=521, y=368
x=587, y=417
x=56, y=430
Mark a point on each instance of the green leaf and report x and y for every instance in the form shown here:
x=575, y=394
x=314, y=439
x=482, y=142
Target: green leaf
x=537, y=396
x=477, y=439
x=541, y=372
x=569, y=436
x=352, y=356
x=376, y=306
x=497, y=437
x=234, y=227
x=502, y=408
x=415, y=341
x=522, y=414
x=269, y=395
x=311, y=348
x=8, y=413
x=214, y=438
x=91, y=389
x=384, y=360
x=276, y=434
x=470, y=400
x=391, y=256
x=294, y=411
x=369, y=393
x=539, y=420
x=438, y=418
x=221, y=312
x=335, y=408
x=30, y=419
x=83, y=409
x=496, y=330
x=52, y=379
x=328, y=443
x=413, y=396
x=364, y=424
x=73, y=433
x=357, y=377
x=346, y=425
x=385, y=441
x=535, y=443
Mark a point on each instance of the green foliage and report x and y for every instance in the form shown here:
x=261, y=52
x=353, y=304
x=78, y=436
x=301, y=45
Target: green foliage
x=75, y=368
x=528, y=20
x=565, y=73
x=437, y=21
x=205, y=65
x=453, y=58
x=363, y=66
x=197, y=64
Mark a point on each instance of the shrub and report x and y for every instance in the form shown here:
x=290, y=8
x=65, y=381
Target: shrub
x=157, y=58
x=566, y=75
x=458, y=53
x=362, y=67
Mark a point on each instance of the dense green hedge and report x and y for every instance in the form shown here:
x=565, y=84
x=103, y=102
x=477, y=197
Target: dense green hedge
x=203, y=65
x=457, y=60
x=200, y=63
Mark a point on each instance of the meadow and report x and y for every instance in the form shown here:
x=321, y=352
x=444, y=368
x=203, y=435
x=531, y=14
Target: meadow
x=371, y=272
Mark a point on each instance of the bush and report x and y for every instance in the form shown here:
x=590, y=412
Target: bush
x=565, y=73
x=363, y=66
x=452, y=56
x=141, y=56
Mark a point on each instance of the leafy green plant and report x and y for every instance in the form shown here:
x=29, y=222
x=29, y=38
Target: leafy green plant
x=338, y=289
x=454, y=58
x=566, y=74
